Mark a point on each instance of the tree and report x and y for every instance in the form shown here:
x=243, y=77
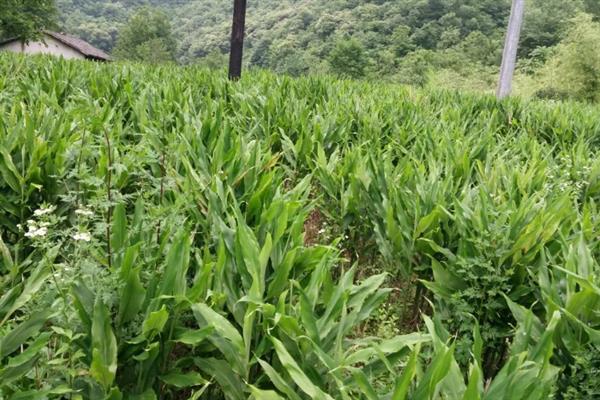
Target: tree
x=25, y=19
x=574, y=70
x=213, y=60
x=401, y=41
x=480, y=48
x=348, y=59
x=146, y=37
x=592, y=7
x=545, y=24
x=414, y=69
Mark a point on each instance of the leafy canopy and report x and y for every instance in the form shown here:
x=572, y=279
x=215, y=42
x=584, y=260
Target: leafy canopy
x=348, y=59
x=146, y=37
x=574, y=70
x=25, y=19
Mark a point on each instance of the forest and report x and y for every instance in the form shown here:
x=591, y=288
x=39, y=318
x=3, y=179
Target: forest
x=450, y=43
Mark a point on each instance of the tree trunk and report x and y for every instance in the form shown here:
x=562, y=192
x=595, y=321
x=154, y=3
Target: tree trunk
x=509, y=57
x=237, y=39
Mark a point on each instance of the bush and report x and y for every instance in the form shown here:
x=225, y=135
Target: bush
x=574, y=70
x=348, y=59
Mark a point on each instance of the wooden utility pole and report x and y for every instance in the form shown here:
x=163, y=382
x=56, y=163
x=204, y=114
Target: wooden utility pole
x=237, y=39
x=509, y=57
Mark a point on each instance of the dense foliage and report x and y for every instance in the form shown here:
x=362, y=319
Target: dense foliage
x=25, y=19
x=146, y=37
x=291, y=36
x=166, y=233
x=573, y=68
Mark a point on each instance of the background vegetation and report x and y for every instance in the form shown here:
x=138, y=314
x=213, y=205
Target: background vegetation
x=456, y=44
x=452, y=44
x=26, y=18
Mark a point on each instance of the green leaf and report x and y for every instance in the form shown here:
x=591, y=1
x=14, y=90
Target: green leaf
x=132, y=295
x=296, y=373
x=439, y=368
x=20, y=365
x=12, y=340
x=118, y=232
x=249, y=249
x=9, y=172
x=361, y=380
x=174, y=282
x=57, y=392
x=280, y=278
x=408, y=374
x=114, y=394
x=11, y=374
x=280, y=383
x=84, y=302
x=183, y=380
x=30, y=288
x=446, y=278
x=475, y=386
x=5, y=257
x=104, y=347
x=221, y=325
x=426, y=222
x=229, y=382
x=259, y=394
x=32, y=351
x=155, y=323
x=388, y=346
x=225, y=337
x=193, y=337
x=147, y=395
x=477, y=344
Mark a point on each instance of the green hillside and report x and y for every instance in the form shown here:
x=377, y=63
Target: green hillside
x=297, y=37
x=168, y=234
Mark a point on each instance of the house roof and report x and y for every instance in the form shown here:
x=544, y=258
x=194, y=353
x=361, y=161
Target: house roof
x=81, y=46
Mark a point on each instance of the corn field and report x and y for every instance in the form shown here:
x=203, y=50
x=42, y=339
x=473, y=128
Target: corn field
x=168, y=234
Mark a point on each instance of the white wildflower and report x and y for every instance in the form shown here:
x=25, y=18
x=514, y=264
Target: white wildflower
x=36, y=232
x=321, y=231
x=30, y=223
x=20, y=227
x=82, y=237
x=84, y=212
x=43, y=211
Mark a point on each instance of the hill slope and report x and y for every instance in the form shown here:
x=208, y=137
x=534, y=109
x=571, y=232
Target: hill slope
x=297, y=36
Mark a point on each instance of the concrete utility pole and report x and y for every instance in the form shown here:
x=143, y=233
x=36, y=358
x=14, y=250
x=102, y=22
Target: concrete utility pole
x=237, y=39
x=509, y=58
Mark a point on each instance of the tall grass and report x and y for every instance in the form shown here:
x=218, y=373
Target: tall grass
x=168, y=234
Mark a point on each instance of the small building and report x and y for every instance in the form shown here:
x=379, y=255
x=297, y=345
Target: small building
x=57, y=44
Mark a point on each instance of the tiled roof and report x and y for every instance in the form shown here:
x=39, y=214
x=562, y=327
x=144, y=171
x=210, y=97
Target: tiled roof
x=80, y=45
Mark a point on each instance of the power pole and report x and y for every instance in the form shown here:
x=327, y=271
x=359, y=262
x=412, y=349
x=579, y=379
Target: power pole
x=509, y=57
x=237, y=39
